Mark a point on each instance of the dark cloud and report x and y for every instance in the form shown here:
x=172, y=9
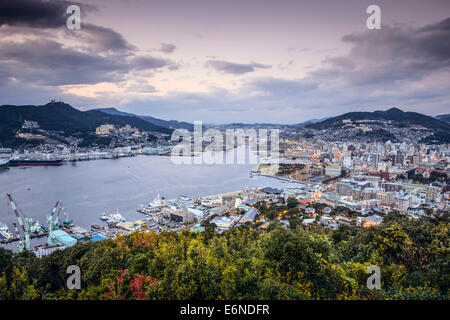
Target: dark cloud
x=149, y=62
x=234, y=68
x=100, y=39
x=279, y=87
x=383, y=57
x=41, y=56
x=400, y=66
x=27, y=16
x=36, y=13
x=167, y=47
x=48, y=62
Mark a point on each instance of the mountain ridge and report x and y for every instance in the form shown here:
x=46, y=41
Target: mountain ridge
x=443, y=117
x=394, y=114
x=169, y=124
x=59, y=116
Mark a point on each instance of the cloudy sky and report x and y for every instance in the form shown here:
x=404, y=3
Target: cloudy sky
x=279, y=61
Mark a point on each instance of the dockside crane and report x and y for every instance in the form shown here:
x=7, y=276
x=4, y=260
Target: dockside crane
x=50, y=222
x=25, y=224
x=66, y=220
x=20, y=246
x=51, y=238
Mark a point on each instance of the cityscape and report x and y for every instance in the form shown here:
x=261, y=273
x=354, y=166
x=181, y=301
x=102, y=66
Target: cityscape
x=327, y=184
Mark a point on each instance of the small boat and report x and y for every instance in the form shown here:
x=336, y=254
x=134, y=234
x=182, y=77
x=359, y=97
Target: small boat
x=158, y=202
x=111, y=222
x=112, y=218
x=96, y=226
x=35, y=226
x=4, y=231
x=116, y=216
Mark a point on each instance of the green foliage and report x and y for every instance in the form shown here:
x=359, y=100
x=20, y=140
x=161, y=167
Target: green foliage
x=285, y=169
x=58, y=116
x=242, y=263
x=94, y=140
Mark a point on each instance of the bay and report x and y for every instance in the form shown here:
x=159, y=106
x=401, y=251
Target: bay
x=89, y=188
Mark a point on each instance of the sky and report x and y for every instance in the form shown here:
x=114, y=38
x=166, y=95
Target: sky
x=272, y=61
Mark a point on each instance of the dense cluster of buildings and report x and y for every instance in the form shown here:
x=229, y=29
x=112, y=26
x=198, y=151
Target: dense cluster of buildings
x=406, y=177
x=367, y=178
x=121, y=141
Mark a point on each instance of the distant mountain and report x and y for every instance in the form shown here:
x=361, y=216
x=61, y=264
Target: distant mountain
x=114, y=112
x=394, y=114
x=443, y=117
x=247, y=125
x=304, y=124
x=170, y=124
x=58, y=116
x=173, y=124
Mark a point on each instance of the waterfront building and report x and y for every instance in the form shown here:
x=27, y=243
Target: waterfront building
x=44, y=250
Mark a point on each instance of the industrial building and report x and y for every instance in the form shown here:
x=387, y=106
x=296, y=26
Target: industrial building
x=43, y=250
x=63, y=238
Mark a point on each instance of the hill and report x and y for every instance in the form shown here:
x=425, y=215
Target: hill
x=304, y=124
x=243, y=263
x=173, y=124
x=443, y=117
x=393, y=114
x=58, y=116
x=169, y=124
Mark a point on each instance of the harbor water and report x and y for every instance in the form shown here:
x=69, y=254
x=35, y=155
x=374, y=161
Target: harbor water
x=89, y=188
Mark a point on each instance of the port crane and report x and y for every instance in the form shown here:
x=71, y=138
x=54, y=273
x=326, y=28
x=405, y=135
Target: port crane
x=25, y=224
x=66, y=220
x=50, y=223
x=20, y=246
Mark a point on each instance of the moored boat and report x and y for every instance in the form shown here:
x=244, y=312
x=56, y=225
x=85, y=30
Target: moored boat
x=112, y=218
x=4, y=232
x=4, y=164
x=24, y=161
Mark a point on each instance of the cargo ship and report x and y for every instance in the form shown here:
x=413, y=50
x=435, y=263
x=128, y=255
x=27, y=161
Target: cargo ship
x=4, y=164
x=16, y=162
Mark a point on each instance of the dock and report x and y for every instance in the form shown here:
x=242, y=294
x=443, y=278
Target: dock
x=32, y=236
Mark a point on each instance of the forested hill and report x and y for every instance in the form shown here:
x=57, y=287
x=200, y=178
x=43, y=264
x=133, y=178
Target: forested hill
x=243, y=263
x=58, y=116
x=444, y=117
x=171, y=124
x=393, y=114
